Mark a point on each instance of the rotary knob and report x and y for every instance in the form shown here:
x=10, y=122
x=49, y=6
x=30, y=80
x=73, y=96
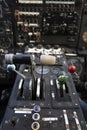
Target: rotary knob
x=35, y=126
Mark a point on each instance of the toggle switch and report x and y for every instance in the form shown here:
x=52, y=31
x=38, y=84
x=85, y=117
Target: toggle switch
x=35, y=126
x=37, y=108
x=36, y=116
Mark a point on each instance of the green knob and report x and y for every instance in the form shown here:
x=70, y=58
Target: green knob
x=63, y=78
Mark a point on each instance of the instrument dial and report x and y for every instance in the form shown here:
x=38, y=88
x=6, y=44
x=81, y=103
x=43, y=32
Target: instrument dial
x=56, y=70
x=42, y=70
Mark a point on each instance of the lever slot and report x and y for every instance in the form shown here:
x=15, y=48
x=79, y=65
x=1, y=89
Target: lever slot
x=20, y=88
x=62, y=91
x=40, y=92
x=34, y=88
x=38, y=88
x=27, y=89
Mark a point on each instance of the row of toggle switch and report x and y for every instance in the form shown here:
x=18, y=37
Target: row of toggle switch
x=44, y=50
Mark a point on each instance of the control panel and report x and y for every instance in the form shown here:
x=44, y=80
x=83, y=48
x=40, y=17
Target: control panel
x=43, y=96
x=6, y=31
x=40, y=22
x=6, y=38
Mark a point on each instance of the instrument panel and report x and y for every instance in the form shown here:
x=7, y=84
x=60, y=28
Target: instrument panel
x=37, y=23
x=6, y=30
x=40, y=22
x=43, y=99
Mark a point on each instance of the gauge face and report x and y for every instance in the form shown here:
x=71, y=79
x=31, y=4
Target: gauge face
x=4, y=43
x=56, y=70
x=77, y=63
x=44, y=71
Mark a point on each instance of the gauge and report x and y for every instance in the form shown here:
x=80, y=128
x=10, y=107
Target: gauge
x=5, y=43
x=40, y=71
x=77, y=63
x=56, y=70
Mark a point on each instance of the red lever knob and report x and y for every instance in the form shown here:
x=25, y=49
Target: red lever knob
x=72, y=69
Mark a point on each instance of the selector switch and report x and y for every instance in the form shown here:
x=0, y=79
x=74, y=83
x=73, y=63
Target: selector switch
x=37, y=108
x=35, y=126
x=36, y=116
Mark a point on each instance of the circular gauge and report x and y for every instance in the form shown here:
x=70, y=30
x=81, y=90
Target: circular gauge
x=84, y=37
x=40, y=71
x=56, y=70
x=5, y=43
x=77, y=63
